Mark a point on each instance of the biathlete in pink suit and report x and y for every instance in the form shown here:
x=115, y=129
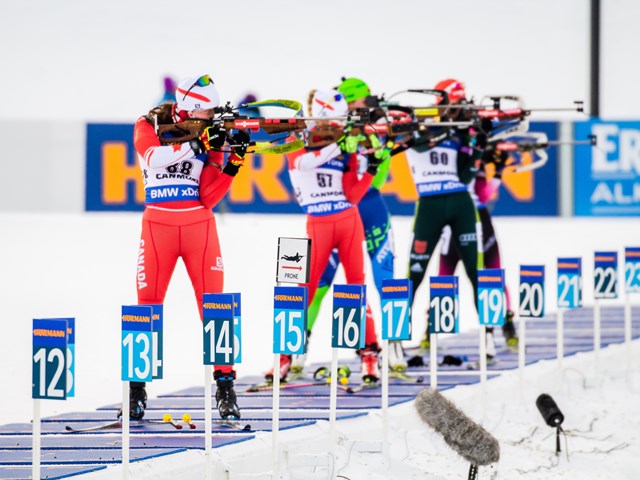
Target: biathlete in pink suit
x=328, y=188
x=182, y=182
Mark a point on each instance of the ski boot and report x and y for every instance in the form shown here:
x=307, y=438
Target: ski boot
x=397, y=362
x=285, y=367
x=226, y=396
x=137, y=401
x=509, y=332
x=369, y=362
x=324, y=373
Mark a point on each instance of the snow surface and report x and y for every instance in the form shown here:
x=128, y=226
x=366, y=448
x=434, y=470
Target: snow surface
x=84, y=266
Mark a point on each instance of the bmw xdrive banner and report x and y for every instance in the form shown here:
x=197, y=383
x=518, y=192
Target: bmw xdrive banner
x=607, y=176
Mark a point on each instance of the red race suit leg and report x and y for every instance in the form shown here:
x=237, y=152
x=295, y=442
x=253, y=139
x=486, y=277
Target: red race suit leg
x=167, y=235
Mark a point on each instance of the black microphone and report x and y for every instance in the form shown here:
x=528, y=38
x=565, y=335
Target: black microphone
x=467, y=438
x=549, y=410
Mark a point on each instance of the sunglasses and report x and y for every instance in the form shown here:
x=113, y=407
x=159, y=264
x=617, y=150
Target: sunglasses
x=203, y=81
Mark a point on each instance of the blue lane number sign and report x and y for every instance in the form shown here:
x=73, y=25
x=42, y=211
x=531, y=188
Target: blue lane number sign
x=632, y=269
x=158, y=340
x=137, y=343
x=569, y=282
x=396, y=312
x=605, y=275
x=349, y=313
x=492, y=301
x=443, y=308
x=290, y=320
x=237, y=327
x=217, y=328
x=49, y=366
x=531, y=291
x=71, y=357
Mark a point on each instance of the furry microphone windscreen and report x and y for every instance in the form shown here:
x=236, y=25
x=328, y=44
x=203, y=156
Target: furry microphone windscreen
x=467, y=438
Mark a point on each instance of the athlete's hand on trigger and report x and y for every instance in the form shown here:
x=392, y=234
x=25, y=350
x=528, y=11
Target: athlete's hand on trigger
x=349, y=143
x=209, y=139
x=380, y=151
x=500, y=160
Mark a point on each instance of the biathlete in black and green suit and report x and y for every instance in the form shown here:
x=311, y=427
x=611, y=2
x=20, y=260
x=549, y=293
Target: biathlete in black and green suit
x=441, y=174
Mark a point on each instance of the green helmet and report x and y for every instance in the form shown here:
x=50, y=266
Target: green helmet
x=353, y=89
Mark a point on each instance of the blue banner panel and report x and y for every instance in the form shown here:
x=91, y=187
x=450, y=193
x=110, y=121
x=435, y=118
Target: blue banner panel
x=534, y=192
x=114, y=180
x=607, y=176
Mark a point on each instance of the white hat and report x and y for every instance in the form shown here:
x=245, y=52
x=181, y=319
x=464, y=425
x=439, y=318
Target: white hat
x=328, y=103
x=197, y=93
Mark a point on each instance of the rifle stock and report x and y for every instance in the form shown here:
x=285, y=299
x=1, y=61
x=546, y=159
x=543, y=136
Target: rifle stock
x=193, y=128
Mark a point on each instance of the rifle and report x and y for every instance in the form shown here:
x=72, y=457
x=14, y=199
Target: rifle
x=229, y=120
x=507, y=120
x=394, y=122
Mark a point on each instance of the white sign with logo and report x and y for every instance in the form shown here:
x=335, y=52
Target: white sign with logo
x=293, y=260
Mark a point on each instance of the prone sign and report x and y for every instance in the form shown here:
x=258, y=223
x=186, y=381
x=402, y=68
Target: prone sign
x=293, y=260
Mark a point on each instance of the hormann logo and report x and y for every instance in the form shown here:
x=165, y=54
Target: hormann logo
x=352, y=296
x=530, y=273
x=605, y=259
x=395, y=289
x=45, y=332
x=219, y=306
x=568, y=265
x=136, y=318
x=288, y=298
x=489, y=279
x=442, y=285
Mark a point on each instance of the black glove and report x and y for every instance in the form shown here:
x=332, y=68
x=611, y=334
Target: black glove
x=372, y=164
x=481, y=140
x=209, y=138
x=486, y=127
x=241, y=139
x=217, y=136
x=500, y=159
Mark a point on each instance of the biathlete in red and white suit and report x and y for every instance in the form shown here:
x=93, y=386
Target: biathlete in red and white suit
x=182, y=183
x=328, y=187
